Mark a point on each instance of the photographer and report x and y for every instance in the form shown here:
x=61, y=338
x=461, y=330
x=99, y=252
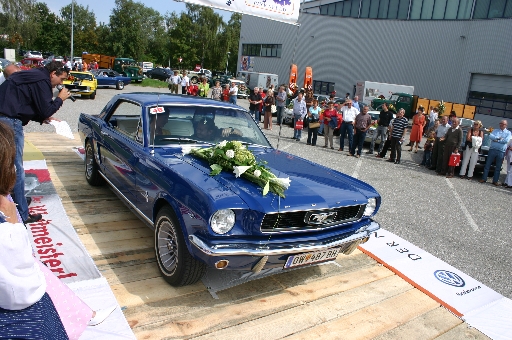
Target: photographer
x=27, y=96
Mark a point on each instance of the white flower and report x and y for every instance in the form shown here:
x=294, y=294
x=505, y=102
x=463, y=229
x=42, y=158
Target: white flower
x=223, y=144
x=284, y=182
x=187, y=148
x=230, y=154
x=257, y=173
x=239, y=170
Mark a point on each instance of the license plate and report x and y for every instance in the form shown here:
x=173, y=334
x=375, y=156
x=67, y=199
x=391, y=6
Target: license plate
x=315, y=257
x=481, y=159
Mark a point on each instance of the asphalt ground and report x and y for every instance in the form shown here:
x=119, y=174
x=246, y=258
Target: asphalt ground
x=464, y=223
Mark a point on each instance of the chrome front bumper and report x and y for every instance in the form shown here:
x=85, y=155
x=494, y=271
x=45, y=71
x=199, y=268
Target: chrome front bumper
x=281, y=249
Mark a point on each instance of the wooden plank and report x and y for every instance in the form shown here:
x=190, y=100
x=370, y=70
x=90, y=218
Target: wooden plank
x=367, y=323
x=125, y=258
x=204, y=321
x=110, y=226
x=118, y=235
x=463, y=331
x=134, y=273
x=116, y=246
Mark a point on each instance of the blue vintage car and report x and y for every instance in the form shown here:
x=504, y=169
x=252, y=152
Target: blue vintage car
x=108, y=77
x=138, y=145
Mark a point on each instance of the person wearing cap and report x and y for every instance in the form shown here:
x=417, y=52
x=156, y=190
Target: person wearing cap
x=347, y=127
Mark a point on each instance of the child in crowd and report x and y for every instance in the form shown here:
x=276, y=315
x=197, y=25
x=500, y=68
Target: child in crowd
x=454, y=162
x=428, y=147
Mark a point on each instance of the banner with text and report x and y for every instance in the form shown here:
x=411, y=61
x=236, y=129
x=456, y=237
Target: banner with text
x=280, y=10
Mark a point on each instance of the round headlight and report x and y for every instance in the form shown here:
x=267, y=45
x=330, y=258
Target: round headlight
x=370, y=207
x=222, y=221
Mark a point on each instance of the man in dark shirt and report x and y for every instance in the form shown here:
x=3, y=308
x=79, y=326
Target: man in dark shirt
x=362, y=124
x=385, y=118
x=27, y=96
x=254, y=104
x=452, y=141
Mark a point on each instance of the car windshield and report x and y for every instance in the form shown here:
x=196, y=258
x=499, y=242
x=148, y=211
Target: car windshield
x=394, y=97
x=81, y=76
x=375, y=116
x=173, y=124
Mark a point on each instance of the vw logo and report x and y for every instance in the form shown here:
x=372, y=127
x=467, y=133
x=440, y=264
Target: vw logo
x=449, y=278
x=320, y=218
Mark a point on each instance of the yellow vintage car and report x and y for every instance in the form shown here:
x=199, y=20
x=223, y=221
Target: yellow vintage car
x=82, y=83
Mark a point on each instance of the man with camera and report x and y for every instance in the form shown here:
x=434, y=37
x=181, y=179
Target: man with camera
x=27, y=96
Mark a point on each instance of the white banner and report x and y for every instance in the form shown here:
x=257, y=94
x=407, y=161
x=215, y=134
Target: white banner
x=455, y=290
x=280, y=10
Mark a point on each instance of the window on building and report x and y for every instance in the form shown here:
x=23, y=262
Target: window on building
x=365, y=9
x=464, y=9
x=347, y=5
x=491, y=104
x=403, y=9
x=427, y=9
x=497, y=8
x=374, y=9
x=439, y=9
x=451, y=9
x=323, y=87
x=354, y=11
x=383, y=9
x=481, y=9
x=415, y=9
x=262, y=50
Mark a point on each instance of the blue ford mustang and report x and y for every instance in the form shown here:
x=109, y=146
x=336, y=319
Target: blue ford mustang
x=138, y=143
x=108, y=77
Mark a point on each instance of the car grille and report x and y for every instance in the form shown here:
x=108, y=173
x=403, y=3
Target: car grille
x=312, y=219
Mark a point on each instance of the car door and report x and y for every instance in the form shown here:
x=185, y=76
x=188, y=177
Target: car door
x=119, y=145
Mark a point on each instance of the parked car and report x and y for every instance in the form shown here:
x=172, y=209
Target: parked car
x=159, y=73
x=138, y=145
x=369, y=134
x=109, y=77
x=82, y=83
x=56, y=58
x=28, y=63
x=33, y=54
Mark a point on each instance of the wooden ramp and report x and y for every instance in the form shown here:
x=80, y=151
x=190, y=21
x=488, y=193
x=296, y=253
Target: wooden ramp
x=354, y=298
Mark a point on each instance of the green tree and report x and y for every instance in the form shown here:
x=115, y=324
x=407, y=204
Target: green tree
x=49, y=36
x=19, y=22
x=84, y=32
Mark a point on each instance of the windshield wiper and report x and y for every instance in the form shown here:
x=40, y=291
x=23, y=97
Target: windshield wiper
x=254, y=144
x=182, y=139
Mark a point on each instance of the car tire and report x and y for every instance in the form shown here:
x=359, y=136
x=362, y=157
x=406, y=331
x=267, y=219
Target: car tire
x=92, y=173
x=93, y=95
x=176, y=264
x=120, y=85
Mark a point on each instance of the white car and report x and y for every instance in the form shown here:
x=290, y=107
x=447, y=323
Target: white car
x=33, y=54
x=56, y=58
x=371, y=130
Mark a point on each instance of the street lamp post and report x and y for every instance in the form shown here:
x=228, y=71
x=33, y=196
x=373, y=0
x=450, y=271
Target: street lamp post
x=227, y=61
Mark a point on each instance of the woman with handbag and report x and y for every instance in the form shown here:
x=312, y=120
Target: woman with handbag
x=269, y=103
x=314, y=123
x=474, y=140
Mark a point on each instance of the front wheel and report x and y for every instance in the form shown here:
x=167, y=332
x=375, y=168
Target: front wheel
x=176, y=264
x=120, y=85
x=92, y=173
x=93, y=95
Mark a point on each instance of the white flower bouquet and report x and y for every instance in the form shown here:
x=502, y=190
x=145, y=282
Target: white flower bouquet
x=234, y=156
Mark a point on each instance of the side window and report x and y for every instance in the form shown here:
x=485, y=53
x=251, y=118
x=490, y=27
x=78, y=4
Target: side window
x=406, y=100
x=126, y=120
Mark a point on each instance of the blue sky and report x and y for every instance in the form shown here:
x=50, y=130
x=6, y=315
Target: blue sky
x=103, y=8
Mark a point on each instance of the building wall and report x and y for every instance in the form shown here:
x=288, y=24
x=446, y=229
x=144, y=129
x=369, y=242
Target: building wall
x=437, y=57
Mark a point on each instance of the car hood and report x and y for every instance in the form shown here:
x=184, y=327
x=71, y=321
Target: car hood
x=312, y=186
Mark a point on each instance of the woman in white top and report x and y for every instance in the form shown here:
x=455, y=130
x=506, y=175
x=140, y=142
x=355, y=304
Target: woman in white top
x=474, y=139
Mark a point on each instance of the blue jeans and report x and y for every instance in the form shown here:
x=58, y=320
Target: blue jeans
x=321, y=128
x=346, y=128
x=232, y=99
x=427, y=155
x=296, y=133
x=280, y=114
x=358, y=141
x=19, y=187
x=491, y=156
x=255, y=115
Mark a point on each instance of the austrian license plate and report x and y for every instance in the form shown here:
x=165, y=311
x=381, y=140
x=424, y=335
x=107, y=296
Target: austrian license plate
x=309, y=258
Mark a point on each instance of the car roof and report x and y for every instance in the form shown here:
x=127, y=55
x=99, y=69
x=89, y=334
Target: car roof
x=154, y=98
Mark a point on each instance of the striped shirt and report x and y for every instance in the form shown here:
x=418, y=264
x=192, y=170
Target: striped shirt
x=399, y=125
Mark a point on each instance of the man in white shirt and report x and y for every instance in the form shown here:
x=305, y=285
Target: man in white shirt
x=233, y=93
x=185, y=83
x=347, y=126
x=174, y=82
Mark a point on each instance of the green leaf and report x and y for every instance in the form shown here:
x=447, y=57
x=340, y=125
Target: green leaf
x=265, y=189
x=216, y=169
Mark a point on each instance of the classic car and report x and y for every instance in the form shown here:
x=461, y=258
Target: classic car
x=82, y=83
x=33, y=54
x=108, y=77
x=138, y=145
x=159, y=73
x=28, y=63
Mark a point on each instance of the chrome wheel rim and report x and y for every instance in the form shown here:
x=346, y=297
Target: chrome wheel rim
x=167, y=247
x=121, y=85
x=89, y=161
